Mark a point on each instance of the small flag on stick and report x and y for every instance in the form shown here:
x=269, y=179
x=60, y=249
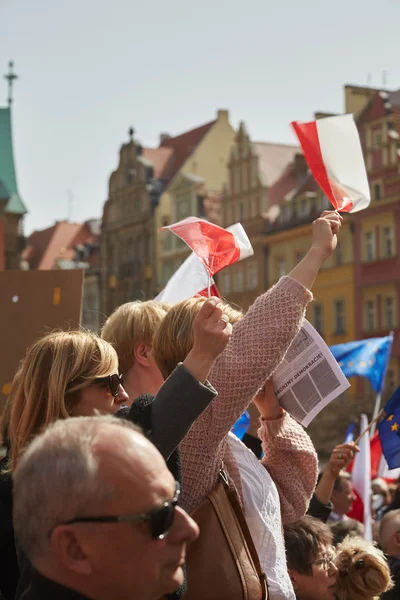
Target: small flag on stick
x=332, y=149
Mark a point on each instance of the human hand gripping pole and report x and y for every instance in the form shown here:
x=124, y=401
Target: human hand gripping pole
x=324, y=241
x=211, y=332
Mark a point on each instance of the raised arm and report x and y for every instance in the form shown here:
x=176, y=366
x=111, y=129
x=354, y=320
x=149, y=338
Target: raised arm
x=259, y=343
x=187, y=393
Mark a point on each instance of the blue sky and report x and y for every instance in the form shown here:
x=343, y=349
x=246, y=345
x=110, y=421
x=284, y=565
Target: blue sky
x=92, y=68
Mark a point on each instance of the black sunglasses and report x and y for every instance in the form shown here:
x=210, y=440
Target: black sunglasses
x=160, y=519
x=113, y=381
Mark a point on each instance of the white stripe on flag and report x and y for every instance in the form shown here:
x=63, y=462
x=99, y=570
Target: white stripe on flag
x=361, y=477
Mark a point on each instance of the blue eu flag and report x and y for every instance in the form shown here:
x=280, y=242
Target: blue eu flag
x=367, y=358
x=241, y=425
x=389, y=431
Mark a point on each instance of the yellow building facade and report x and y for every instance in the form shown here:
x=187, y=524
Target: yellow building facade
x=194, y=191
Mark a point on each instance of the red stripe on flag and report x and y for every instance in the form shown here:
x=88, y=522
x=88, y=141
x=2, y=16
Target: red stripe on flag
x=308, y=137
x=216, y=247
x=213, y=292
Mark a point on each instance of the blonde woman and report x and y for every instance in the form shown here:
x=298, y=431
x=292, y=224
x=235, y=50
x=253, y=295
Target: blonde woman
x=74, y=373
x=286, y=478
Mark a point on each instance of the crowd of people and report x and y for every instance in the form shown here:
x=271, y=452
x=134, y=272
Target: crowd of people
x=120, y=460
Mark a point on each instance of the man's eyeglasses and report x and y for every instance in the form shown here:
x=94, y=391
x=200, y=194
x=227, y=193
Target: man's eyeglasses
x=325, y=562
x=160, y=519
x=113, y=381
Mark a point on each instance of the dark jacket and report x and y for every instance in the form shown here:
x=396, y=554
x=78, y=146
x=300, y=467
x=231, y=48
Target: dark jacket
x=41, y=588
x=165, y=419
x=394, y=564
x=318, y=510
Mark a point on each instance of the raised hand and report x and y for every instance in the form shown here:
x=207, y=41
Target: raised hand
x=211, y=334
x=341, y=457
x=267, y=402
x=324, y=233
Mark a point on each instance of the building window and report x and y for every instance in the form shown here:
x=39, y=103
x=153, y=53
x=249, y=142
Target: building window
x=303, y=208
x=254, y=173
x=377, y=191
x=339, y=254
x=340, y=316
x=370, y=316
x=369, y=246
x=238, y=280
x=387, y=242
x=377, y=139
x=388, y=312
x=281, y=267
x=390, y=381
x=226, y=283
x=252, y=279
x=245, y=179
x=183, y=208
x=319, y=318
x=236, y=179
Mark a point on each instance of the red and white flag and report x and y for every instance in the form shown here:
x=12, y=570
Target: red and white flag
x=216, y=247
x=361, y=478
x=332, y=149
x=192, y=277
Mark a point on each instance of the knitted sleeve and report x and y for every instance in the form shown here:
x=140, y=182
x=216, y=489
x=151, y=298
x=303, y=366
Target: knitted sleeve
x=258, y=344
x=291, y=460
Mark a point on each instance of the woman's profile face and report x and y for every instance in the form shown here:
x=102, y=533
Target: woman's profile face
x=97, y=396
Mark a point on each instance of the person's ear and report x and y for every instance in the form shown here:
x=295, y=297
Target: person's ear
x=67, y=546
x=141, y=355
x=397, y=534
x=293, y=578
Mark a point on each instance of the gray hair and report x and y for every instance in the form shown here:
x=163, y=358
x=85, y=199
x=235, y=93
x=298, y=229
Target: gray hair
x=59, y=478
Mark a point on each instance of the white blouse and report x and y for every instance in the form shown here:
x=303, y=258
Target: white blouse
x=263, y=516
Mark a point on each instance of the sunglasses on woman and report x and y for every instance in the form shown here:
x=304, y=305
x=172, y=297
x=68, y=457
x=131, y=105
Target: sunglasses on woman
x=160, y=518
x=113, y=381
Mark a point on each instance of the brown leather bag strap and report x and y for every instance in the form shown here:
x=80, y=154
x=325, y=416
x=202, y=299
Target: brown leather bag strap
x=234, y=500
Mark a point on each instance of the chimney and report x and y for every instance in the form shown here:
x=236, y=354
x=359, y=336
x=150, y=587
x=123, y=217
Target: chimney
x=300, y=166
x=222, y=114
x=163, y=137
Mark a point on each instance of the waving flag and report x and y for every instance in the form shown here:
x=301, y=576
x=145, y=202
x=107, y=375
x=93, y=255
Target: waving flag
x=361, y=478
x=216, y=247
x=333, y=152
x=192, y=278
x=366, y=358
x=389, y=431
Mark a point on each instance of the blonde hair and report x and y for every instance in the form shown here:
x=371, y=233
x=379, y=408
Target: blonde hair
x=131, y=324
x=174, y=337
x=48, y=382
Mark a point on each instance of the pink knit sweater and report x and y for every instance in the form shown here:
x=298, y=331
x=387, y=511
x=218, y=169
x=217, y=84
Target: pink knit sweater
x=258, y=344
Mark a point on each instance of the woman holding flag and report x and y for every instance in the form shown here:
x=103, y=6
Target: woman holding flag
x=259, y=342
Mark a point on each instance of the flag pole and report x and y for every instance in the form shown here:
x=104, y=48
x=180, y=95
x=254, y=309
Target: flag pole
x=379, y=394
x=370, y=426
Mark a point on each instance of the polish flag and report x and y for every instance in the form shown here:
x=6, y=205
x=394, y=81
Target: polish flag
x=332, y=149
x=361, y=479
x=216, y=247
x=192, y=277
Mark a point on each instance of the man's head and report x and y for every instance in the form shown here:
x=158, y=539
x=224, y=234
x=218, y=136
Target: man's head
x=91, y=467
x=389, y=533
x=309, y=555
x=130, y=329
x=343, y=495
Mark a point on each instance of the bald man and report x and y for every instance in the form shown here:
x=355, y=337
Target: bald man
x=389, y=541
x=96, y=512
